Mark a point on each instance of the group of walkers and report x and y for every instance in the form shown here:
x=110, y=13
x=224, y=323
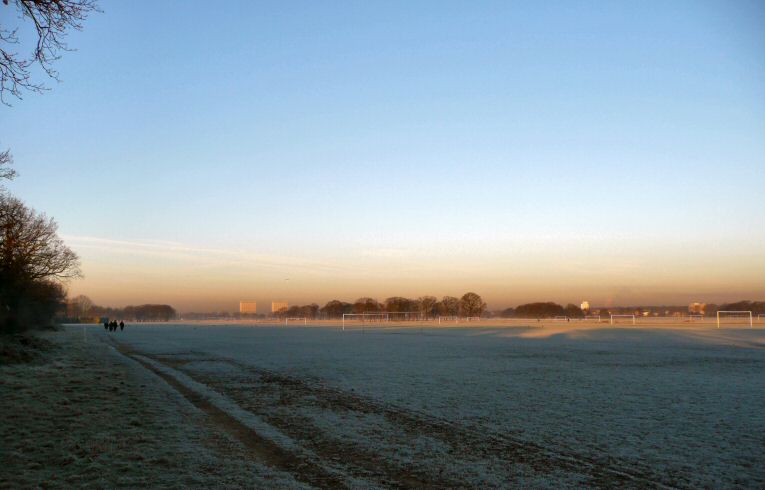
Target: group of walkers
x=112, y=326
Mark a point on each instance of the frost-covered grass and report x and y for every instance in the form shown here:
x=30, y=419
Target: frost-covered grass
x=496, y=406
x=83, y=415
x=488, y=407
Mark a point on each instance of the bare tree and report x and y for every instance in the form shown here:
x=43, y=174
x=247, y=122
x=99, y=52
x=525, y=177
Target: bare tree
x=449, y=306
x=79, y=307
x=33, y=263
x=398, y=304
x=51, y=20
x=309, y=311
x=6, y=172
x=472, y=304
x=427, y=305
x=30, y=248
x=335, y=309
x=573, y=311
x=366, y=305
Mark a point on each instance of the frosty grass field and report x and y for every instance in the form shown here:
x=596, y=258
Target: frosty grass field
x=478, y=406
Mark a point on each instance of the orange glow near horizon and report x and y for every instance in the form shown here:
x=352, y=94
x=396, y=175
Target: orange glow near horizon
x=206, y=279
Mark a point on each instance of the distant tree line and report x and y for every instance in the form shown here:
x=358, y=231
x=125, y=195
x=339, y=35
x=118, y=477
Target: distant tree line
x=425, y=307
x=756, y=307
x=81, y=309
x=550, y=309
x=544, y=310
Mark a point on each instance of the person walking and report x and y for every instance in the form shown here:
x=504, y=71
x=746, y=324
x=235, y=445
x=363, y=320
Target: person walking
x=122, y=325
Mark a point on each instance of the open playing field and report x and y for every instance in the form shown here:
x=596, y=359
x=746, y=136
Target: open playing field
x=487, y=406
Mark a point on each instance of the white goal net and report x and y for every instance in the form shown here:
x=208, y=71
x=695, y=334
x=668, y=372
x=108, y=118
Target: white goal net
x=592, y=318
x=405, y=316
x=734, y=318
x=623, y=319
x=388, y=319
x=363, y=319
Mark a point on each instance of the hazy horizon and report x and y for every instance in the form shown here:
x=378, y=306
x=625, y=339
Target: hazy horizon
x=353, y=273
x=528, y=152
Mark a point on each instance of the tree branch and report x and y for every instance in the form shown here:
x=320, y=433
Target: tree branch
x=51, y=19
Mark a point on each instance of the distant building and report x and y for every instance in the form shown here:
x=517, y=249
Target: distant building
x=277, y=306
x=697, y=308
x=585, y=306
x=248, y=307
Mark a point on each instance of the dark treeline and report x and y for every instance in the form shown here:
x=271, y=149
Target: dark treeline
x=148, y=313
x=544, y=310
x=425, y=307
x=471, y=304
x=756, y=307
x=82, y=309
x=550, y=310
x=34, y=262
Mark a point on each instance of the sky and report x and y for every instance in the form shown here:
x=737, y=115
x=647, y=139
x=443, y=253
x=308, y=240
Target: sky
x=305, y=151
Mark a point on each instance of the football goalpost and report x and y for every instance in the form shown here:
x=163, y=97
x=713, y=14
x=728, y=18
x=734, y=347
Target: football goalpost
x=364, y=318
x=693, y=318
x=744, y=317
x=592, y=317
x=367, y=320
x=404, y=316
x=456, y=319
x=296, y=319
x=760, y=317
x=614, y=318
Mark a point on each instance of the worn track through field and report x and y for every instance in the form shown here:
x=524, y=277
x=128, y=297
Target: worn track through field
x=516, y=459
x=263, y=449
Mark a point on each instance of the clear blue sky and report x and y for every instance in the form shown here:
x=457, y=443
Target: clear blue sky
x=199, y=153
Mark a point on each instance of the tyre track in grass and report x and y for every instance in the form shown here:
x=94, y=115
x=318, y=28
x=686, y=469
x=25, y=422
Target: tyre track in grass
x=474, y=444
x=263, y=449
x=269, y=452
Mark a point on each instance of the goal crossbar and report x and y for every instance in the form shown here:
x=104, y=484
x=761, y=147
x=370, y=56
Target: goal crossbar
x=740, y=314
x=364, y=317
x=623, y=316
x=404, y=316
